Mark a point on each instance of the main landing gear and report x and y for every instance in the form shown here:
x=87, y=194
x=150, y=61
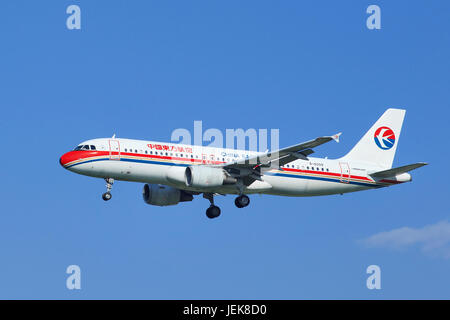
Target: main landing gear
x=213, y=211
x=242, y=201
x=107, y=195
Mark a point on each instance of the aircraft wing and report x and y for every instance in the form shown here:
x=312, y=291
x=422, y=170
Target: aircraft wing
x=252, y=166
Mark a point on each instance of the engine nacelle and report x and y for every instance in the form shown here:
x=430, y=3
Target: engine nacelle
x=161, y=195
x=205, y=177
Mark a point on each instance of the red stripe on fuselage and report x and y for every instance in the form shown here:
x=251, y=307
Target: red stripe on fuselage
x=85, y=154
x=78, y=155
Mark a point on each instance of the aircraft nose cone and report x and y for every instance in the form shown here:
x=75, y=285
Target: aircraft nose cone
x=65, y=159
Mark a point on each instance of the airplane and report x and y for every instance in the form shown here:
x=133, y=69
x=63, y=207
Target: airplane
x=175, y=173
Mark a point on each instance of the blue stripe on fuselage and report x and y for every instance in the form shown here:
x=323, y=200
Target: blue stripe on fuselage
x=286, y=175
x=321, y=179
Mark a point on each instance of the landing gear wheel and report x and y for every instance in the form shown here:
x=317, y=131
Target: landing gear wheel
x=242, y=201
x=213, y=212
x=109, y=183
x=107, y=196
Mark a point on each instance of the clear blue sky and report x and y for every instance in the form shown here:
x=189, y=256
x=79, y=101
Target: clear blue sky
x=141, y=69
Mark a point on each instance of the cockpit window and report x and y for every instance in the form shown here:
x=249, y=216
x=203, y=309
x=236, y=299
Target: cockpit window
x=84, y=147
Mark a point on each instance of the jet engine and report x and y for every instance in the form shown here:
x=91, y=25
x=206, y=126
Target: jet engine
x=204, y=177
x=161, y=195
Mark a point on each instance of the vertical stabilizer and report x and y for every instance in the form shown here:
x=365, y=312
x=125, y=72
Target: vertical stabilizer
x=379, y=144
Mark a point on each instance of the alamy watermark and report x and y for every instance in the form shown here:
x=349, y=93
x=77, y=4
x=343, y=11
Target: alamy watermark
x=74, y=20
x=374, y=280
x=254, y=140
x=373, y=22
x=250, y=139
x=74, y=280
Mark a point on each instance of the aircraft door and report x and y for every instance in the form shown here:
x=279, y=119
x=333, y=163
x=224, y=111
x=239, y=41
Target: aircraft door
x=114, y=150
x=345, y=172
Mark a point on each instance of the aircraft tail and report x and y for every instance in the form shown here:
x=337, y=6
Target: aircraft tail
x=378, y=145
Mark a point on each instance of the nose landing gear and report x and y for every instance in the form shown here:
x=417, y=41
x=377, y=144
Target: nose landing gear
x=107, y=195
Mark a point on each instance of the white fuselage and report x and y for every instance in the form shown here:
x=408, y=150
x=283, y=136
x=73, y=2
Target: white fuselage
x=161, y=163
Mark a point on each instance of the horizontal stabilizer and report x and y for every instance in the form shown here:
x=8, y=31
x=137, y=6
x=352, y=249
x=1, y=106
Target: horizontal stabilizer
x=396, y=171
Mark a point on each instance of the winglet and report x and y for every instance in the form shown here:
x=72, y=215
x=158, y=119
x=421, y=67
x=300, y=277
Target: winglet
x=336, y=137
